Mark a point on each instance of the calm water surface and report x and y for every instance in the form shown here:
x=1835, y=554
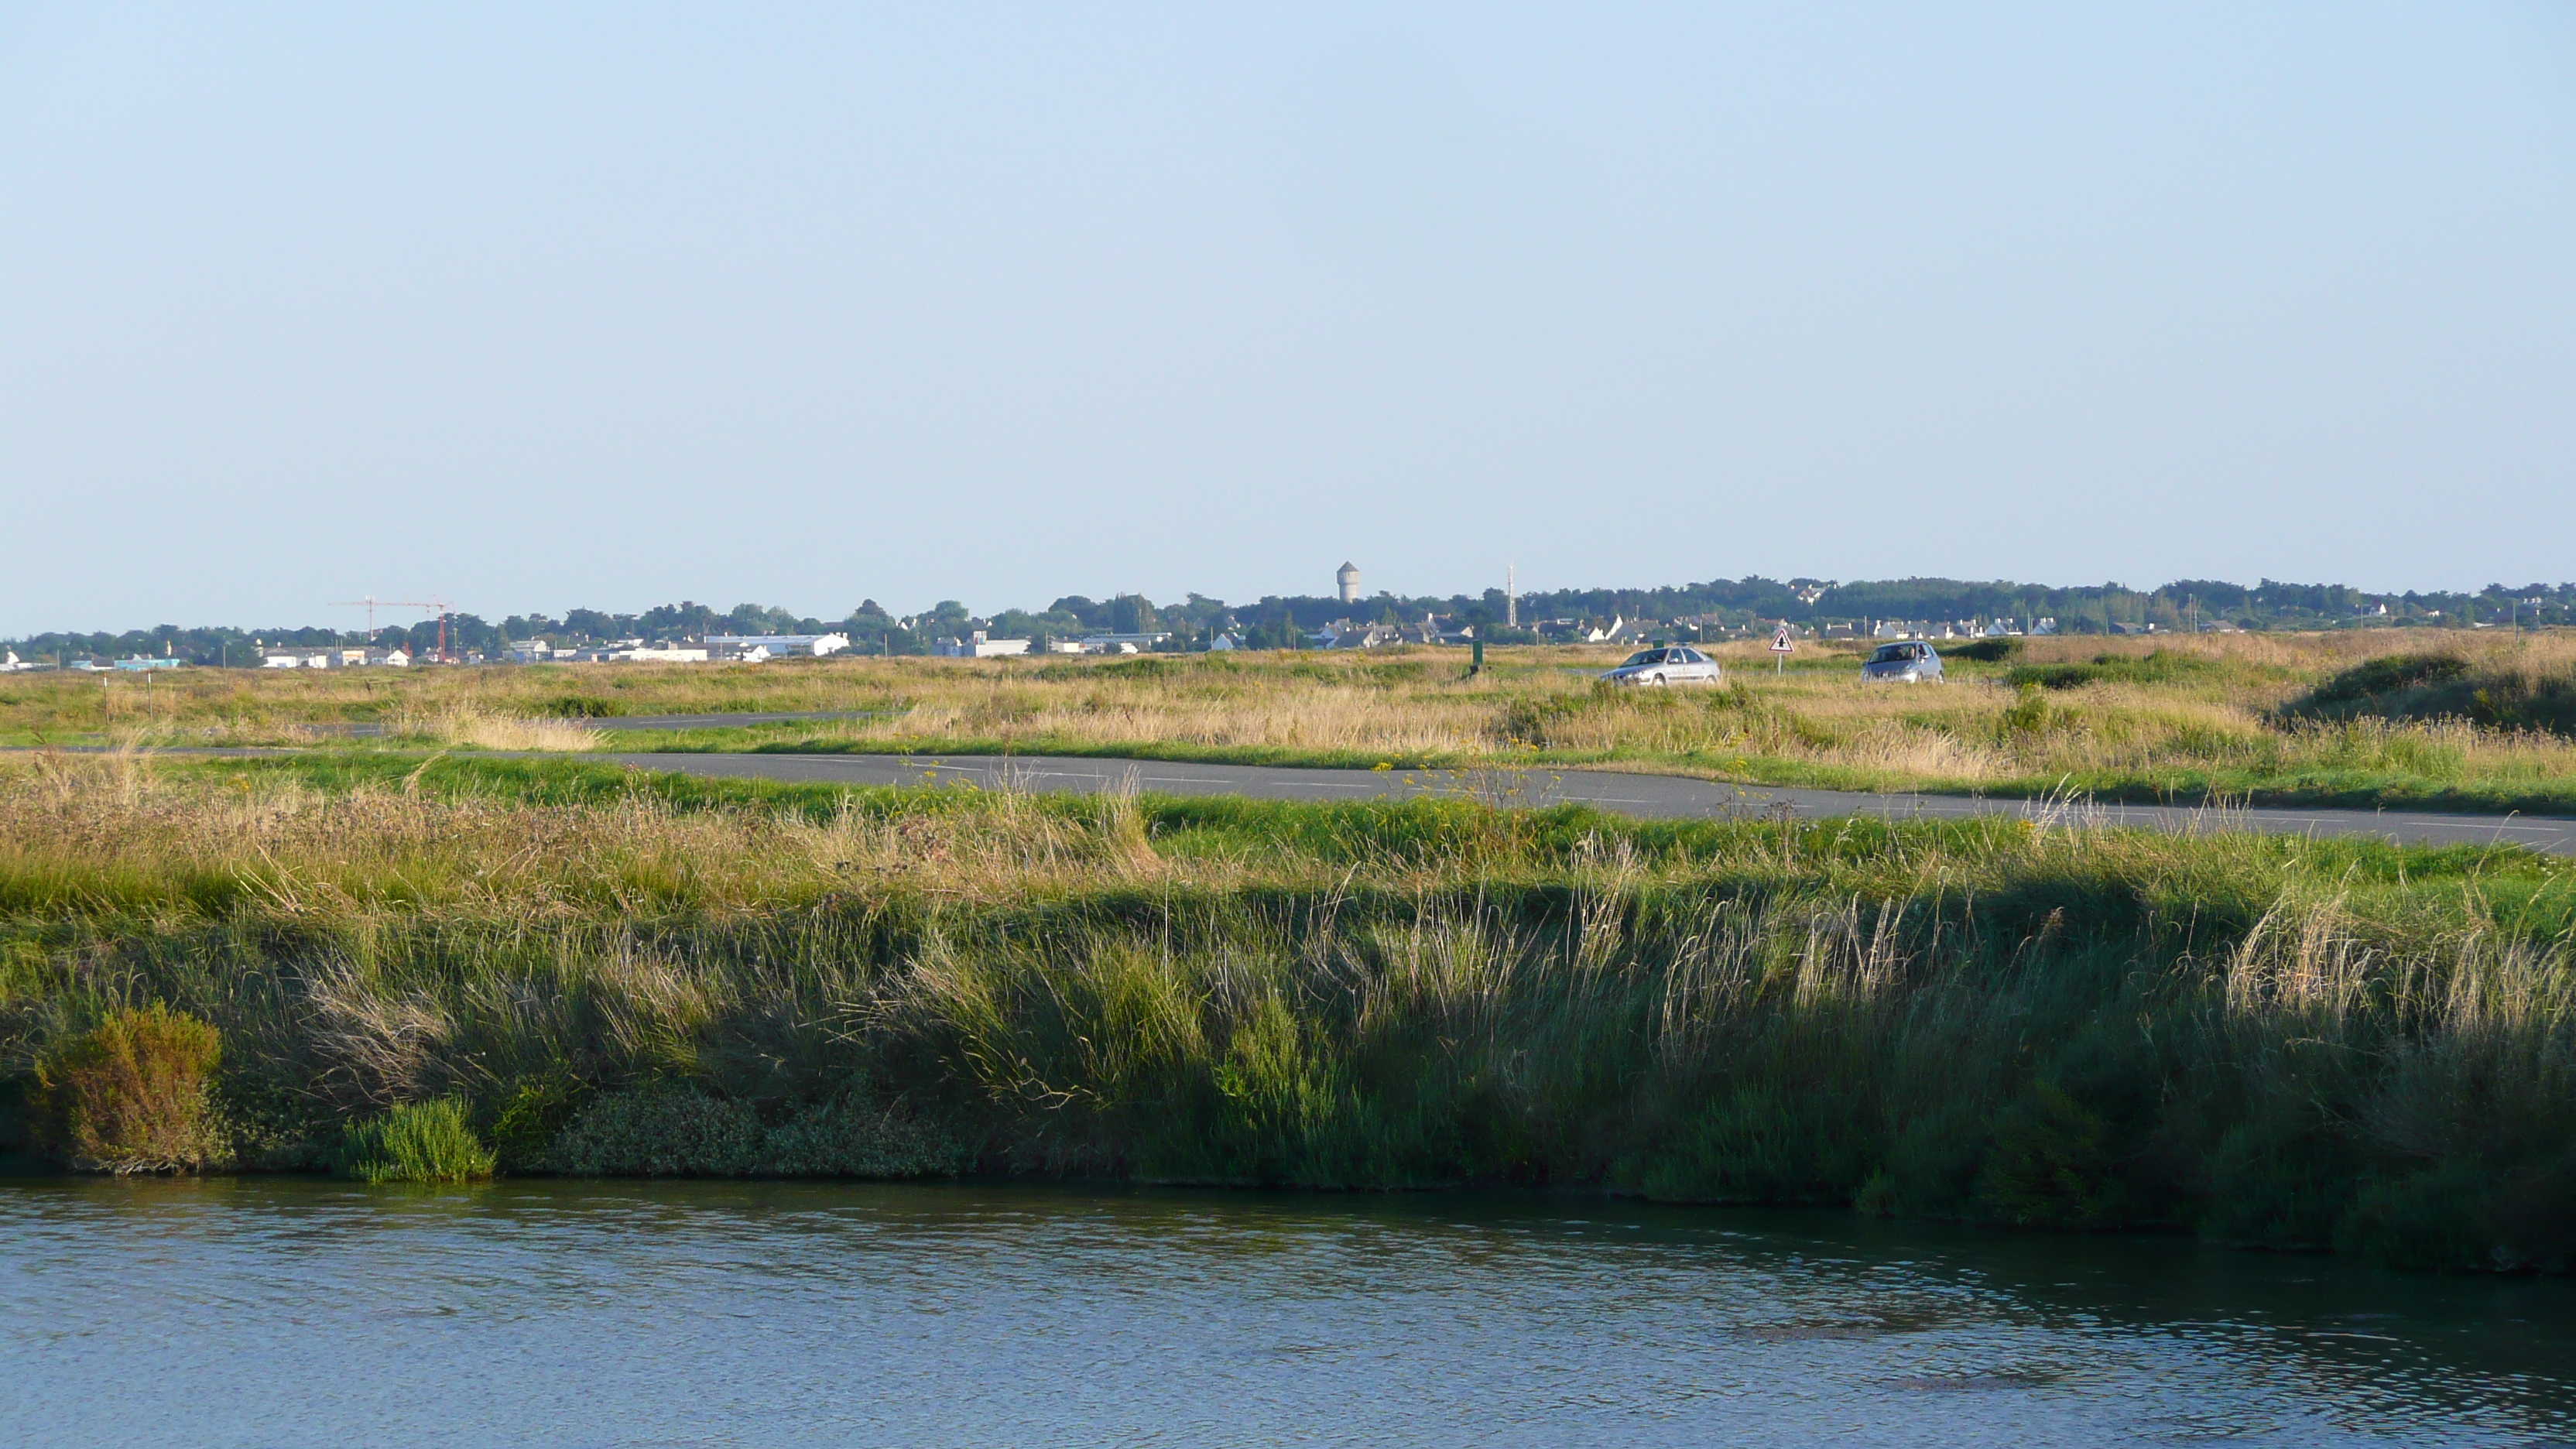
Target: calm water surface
x=292, y=1312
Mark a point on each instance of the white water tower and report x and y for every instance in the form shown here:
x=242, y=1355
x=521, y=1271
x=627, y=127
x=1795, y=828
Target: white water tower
x=1348, y=578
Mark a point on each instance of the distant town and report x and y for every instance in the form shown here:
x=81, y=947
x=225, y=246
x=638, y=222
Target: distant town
x=1349, y=617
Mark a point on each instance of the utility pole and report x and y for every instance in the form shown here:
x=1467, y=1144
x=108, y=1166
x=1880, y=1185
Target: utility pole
x=1511, y=596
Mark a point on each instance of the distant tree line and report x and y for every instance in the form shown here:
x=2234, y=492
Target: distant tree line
x=1284, y=621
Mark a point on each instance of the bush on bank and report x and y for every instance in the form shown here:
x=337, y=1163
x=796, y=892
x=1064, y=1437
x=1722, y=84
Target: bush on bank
x=129, y=1094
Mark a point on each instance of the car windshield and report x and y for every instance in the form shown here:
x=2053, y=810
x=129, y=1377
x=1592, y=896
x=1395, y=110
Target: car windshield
x=1644, y=656
x=1892, y=653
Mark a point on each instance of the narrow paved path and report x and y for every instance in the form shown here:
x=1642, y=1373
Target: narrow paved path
x=1667, y=796
x=648, y=721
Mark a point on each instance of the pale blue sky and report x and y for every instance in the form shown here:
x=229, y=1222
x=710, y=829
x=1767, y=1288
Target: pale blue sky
x=617, y=305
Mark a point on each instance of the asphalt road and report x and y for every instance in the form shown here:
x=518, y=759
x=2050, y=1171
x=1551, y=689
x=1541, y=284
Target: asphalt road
x=1658, y=796
x=720, y=721
x=1665, y=796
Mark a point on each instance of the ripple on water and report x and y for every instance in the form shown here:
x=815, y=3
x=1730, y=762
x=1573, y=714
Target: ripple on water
x=285, y=1312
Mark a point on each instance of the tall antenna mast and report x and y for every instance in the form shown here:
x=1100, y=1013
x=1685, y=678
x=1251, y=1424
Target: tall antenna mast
x=1511, y=596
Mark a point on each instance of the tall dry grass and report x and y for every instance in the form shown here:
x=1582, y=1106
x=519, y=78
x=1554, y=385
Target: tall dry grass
x=470, y=723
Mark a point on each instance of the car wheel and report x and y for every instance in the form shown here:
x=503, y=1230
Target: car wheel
x=1657, y=681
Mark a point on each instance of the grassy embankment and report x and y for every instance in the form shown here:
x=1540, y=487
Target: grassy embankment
x=2258, y=718
x=2272, y=1041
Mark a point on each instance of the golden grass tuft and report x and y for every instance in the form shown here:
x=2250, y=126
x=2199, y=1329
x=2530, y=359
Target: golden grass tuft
x=465, y=722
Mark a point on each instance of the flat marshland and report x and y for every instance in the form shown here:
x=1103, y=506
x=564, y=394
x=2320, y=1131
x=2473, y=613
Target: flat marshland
x=544, y=965
x=2441, y=719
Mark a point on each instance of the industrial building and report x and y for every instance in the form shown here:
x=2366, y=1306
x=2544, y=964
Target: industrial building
x=980, y=646
x=337, y=656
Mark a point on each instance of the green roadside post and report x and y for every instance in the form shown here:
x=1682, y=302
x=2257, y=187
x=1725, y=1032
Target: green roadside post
x=1476, y=666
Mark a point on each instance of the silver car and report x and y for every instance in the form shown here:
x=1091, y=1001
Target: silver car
x=1670, y=664
x=1911, y=662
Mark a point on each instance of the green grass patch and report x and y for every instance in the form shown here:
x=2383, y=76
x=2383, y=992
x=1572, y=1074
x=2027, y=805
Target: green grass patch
x=418, y=1142
x=2162, y=666
x=2438, y=686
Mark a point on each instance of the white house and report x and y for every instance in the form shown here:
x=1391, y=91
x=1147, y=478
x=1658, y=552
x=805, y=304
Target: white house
x=1347, y=635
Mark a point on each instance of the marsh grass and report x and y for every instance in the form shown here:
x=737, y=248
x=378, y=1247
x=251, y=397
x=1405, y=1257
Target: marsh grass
x=2275, y=1041
x=2188, y=719
x=425, y=1142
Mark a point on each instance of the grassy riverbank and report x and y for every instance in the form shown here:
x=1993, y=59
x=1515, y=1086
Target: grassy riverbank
x=2265, y=719
x=2271, y=1041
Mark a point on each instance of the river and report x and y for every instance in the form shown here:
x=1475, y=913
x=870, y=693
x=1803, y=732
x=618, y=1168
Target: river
x=287, y=1312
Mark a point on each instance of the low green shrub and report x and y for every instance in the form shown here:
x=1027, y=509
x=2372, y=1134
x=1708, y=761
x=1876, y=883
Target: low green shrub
x=670, y=1132
x=2032, y=717
x=418, y=1142
x=2163, y=666
x=855, y=1139
x=2054, y=1164
x=2532, y=1216
x=2427, y=1220
x=2388, y=674
x=2280, y=1182
x=1931, y=1166
x=1985, y=651
x=130, y=1094
x=583, y=706
x=2437, y=685
x=1764, y=1144
x=271, y=1124
x=533, y=1116
x=658, y=1133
